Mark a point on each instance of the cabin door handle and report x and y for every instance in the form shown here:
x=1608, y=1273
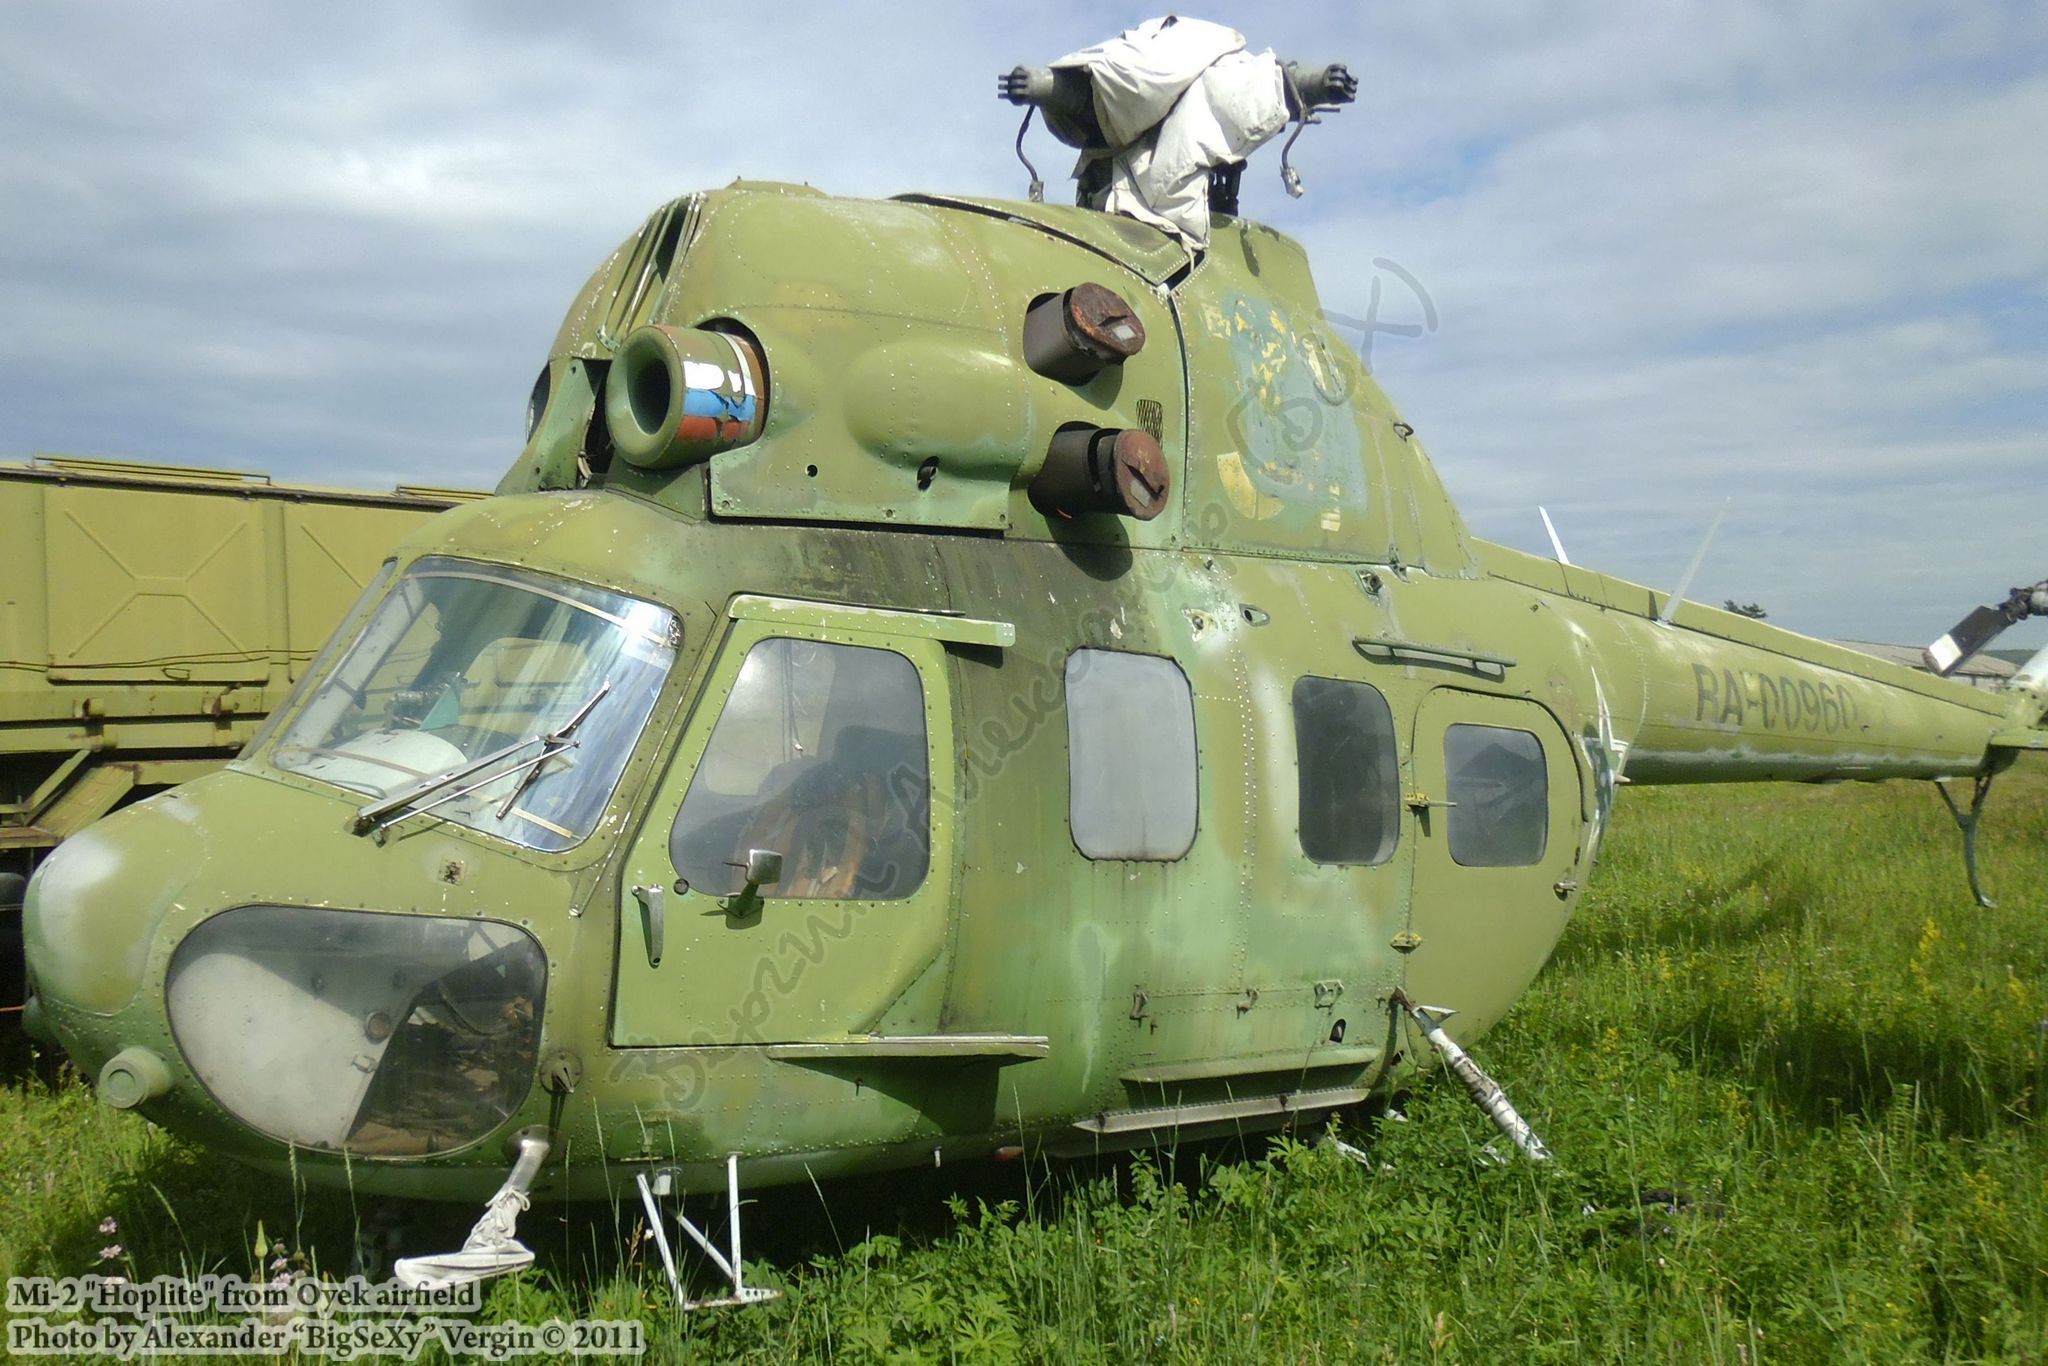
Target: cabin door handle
x=652, y=919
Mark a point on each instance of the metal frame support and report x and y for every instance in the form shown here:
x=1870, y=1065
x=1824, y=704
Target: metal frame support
x=731, y=1265
x=1966, y=821
x=1486, y=1093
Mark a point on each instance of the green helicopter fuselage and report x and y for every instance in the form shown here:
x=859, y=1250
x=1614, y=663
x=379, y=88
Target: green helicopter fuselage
x=900, y=743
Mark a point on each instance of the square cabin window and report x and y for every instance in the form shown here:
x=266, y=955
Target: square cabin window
x=1501, y=794
x=1130, y=756
x=1350, y=806
x=818, y=754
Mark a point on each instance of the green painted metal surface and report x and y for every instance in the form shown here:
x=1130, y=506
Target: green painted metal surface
x=888, y=504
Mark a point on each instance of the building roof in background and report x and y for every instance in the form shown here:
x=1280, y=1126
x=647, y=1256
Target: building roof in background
x=1978, y=666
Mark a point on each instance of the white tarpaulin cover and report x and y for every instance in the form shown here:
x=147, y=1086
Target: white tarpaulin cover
x=1176, y=97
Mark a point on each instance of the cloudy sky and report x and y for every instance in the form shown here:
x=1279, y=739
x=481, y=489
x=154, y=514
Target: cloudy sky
x=1795, y=256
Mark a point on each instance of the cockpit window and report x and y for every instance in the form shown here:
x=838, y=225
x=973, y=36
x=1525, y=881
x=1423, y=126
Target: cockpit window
x=463, y=661
x=818, y=755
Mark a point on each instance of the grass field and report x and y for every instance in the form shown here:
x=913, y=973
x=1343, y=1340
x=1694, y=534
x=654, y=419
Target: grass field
x=1790, y=1072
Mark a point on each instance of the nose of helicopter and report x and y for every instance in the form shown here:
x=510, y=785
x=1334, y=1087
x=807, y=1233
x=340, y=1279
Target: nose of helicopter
x=93, y=908
x=89, y=924
x=376, y=1032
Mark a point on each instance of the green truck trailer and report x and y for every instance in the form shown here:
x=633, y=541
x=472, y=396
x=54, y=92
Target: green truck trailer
x=150, y=618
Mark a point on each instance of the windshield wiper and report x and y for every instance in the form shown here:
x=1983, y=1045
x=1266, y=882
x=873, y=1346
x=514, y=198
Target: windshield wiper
x=552, y=744
x=380, y=815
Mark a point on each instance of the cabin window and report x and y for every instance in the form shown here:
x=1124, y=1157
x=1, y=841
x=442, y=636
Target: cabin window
x=820, y=755
x=1499, y=787
x=1130, y=756
x=1350, y=807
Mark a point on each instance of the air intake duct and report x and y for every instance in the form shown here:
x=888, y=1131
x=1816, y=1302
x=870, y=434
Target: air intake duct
x=680, y=394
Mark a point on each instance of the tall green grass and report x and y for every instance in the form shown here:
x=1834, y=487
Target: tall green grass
x=1790, y=1072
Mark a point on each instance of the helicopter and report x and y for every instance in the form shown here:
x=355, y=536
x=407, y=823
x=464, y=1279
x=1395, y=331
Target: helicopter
x=945, y=678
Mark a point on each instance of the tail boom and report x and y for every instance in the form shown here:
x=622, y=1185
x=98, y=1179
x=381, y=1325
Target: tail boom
x=1717, y=697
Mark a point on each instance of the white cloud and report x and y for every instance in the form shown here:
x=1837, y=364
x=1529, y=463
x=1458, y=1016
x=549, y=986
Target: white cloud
x=1792, y=256
x=1796, y=254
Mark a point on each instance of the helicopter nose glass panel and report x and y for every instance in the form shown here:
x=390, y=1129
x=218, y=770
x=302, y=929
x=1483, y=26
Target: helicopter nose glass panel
x=820, y=756
x=385, y=1035
x=462, y=660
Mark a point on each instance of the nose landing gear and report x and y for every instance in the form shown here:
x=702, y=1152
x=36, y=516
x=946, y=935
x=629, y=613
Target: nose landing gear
x=490, y=1250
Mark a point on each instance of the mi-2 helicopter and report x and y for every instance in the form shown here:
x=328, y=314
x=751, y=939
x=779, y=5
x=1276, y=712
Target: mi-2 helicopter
x=943, y=678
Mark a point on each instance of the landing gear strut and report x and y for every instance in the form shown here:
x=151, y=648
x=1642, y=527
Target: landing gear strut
x=1966, y=821
x=490, y=1250
x=1486, y=1093
x=662, y=1182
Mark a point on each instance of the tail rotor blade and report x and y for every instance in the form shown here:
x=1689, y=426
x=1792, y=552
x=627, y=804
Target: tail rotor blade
x=1982, y=626
x=1963, y=640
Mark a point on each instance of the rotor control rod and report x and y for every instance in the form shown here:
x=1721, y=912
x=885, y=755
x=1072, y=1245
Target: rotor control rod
x=2022, y=603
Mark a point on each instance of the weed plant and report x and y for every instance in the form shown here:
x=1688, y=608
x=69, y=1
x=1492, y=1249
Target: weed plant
x=1791, y=1074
